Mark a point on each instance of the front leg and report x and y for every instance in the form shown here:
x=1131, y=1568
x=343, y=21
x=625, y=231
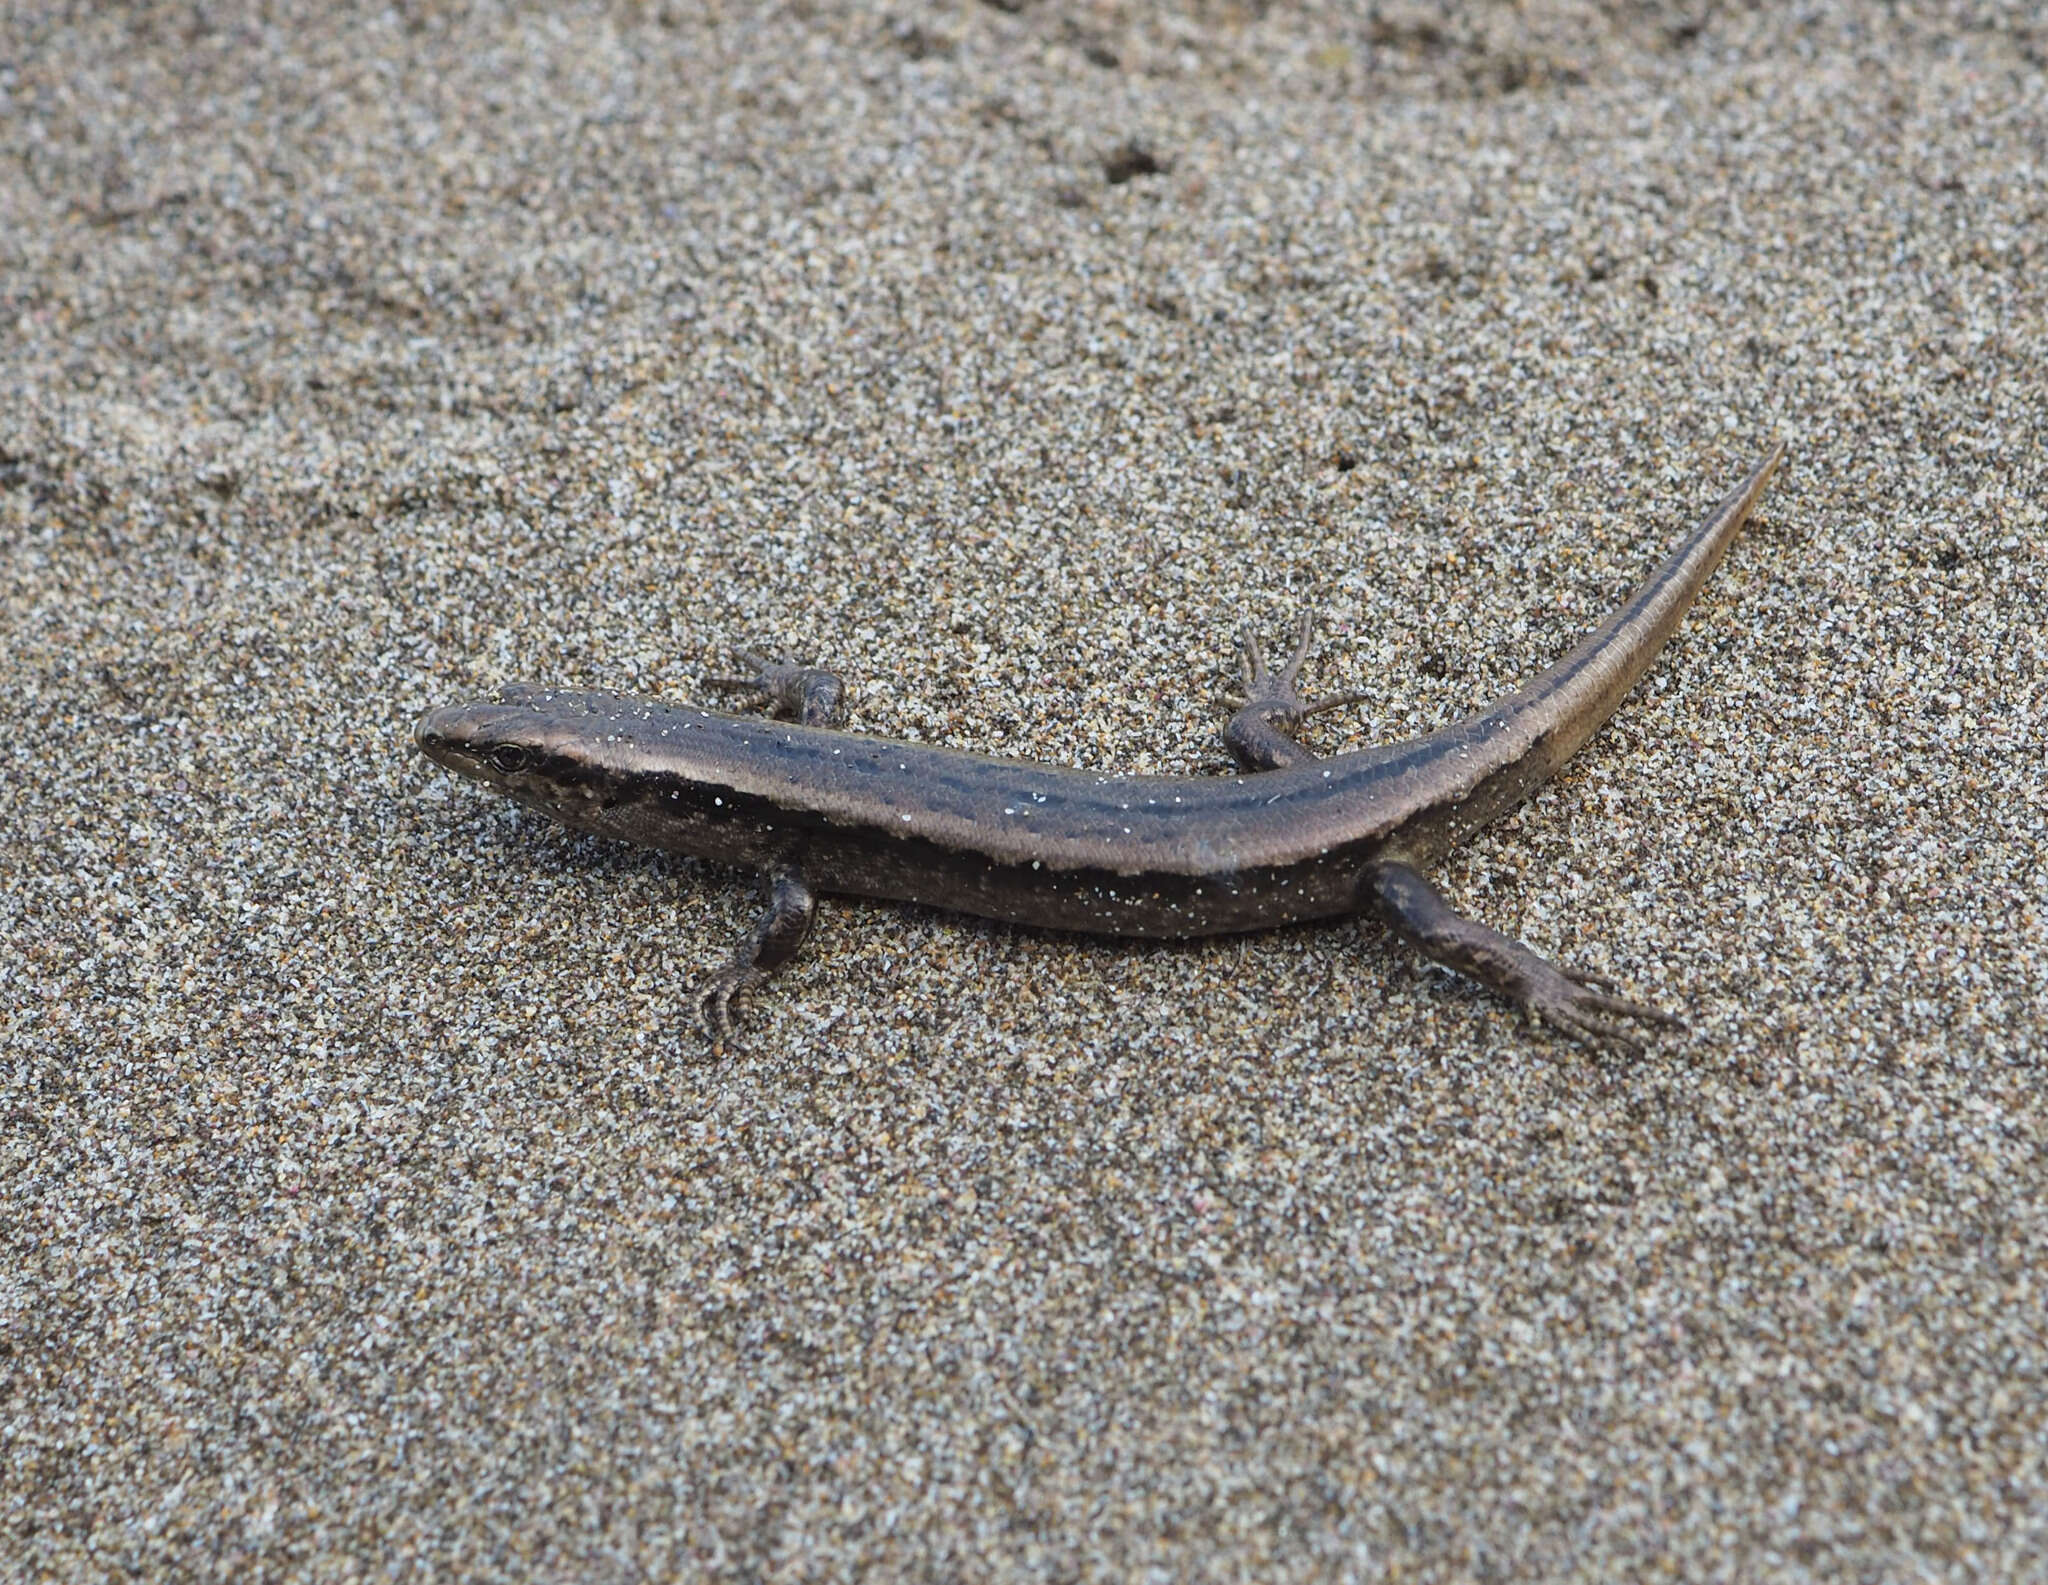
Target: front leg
x=814, y=698
x=1581, y=1005
x=1272, y=708
x=770, y=944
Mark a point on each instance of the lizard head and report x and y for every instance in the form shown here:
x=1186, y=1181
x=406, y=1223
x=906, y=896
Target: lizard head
x=509, y=740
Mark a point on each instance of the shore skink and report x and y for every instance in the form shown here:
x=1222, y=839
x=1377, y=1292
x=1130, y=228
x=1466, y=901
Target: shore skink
x=816, y=809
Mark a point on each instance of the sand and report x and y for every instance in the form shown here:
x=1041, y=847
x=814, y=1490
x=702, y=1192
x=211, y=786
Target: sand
x=371, y=1210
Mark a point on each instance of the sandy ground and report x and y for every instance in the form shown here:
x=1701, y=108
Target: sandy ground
x=369, y=1208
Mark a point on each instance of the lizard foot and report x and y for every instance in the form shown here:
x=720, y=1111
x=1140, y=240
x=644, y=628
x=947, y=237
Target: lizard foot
x=1273, y=695
x=1584, y=1006
x=714, y=999
x=812, y=696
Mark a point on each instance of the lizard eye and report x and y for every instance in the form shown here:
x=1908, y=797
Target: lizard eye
x=508, y=759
